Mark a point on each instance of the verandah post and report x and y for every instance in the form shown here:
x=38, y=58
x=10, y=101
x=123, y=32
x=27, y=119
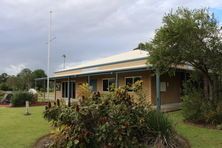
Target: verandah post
x=158, y=99
x=69, y=101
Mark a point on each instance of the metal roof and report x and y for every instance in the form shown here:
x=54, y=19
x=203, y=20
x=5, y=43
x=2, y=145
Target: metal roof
x=122, y=57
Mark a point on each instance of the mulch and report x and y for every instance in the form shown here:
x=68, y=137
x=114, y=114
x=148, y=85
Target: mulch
x=4, y=105
x=46, y=141
x=43, y=142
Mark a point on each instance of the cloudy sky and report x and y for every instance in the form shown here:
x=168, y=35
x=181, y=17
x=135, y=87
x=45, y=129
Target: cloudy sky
x=84, y=29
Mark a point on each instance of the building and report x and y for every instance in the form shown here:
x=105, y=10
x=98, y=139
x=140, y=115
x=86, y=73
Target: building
x=121, y=69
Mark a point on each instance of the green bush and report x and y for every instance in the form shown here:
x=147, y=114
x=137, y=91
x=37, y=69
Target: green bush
x=19, y=98
x=4, y=87
x=1, y=94
x=198, y=109
x=112, y=120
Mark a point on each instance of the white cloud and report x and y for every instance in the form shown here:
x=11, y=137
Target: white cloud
x=14, y=69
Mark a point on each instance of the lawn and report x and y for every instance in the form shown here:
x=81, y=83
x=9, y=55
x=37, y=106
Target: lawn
x=197, y=136
x=19, y=131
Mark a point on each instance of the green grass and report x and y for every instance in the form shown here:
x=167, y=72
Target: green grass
x=197, y=136
x=19, y=131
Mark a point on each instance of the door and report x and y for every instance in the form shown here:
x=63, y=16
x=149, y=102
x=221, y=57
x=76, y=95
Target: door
x=71, y=89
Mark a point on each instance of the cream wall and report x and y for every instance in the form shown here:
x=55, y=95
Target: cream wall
x=173, y=90
x=172, y=94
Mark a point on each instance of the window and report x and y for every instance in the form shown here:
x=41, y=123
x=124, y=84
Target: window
x=130, y=81
x=163, y=86
x=107, y=83
x=93, y=85
x=71, y=89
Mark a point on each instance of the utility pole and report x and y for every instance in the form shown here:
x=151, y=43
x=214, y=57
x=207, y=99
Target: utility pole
x=49, y=49
x=64, y=62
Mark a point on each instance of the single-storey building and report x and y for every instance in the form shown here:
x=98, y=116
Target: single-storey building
x=121, y=69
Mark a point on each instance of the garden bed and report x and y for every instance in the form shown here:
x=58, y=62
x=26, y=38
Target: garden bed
x=46, y=141
x=201, y=125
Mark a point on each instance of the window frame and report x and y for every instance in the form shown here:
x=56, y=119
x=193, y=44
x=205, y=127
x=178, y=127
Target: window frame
x=108, y=83
x=133, y=80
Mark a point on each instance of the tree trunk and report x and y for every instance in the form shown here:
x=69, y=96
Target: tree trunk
x=210, y=90
x=206, y=84
x=208, y=87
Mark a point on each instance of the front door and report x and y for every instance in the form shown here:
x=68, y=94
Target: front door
x=71, y=91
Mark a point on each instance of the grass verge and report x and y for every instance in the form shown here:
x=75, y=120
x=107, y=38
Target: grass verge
x=20, y=131
x=199, y=137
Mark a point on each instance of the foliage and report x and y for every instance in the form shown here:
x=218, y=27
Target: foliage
x=84, y=91
x=1, y=94
x=111, y=120
x=25, y=79
x=3, y=77
x=4, y=87
x=197, y=109
x=38, y=73
x=22, y=81
x=19, y=98
x=190, y=37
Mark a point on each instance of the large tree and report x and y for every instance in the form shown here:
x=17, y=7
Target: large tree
x=25, y=79
x=3, y=77
x=39, y=73
x=191, y=37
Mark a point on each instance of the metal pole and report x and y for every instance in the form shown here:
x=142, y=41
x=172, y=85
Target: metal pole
x=158, y=99
x=69, y=102
x=49, y=48
x=89, y=80
x=117, y=85
x=55, y=89
x=64, y=62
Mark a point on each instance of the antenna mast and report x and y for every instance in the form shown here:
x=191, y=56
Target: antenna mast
x=49, y=49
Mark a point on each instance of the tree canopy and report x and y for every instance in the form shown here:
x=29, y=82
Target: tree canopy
x=22, y=81
x=191, y=37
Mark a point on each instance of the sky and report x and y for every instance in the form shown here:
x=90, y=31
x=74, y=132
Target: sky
x=84, y=29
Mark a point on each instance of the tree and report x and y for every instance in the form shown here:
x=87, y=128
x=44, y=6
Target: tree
x=3, y=77
x=191, y=37
x=39, y=73
x=13, y=82
x=25, y=79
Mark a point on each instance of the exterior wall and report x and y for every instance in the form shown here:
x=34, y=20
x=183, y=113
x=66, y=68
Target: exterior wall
x=172, y=94
x=173, y=89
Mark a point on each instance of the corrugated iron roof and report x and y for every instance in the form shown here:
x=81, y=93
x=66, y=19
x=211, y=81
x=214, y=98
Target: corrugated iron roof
x=122, y=57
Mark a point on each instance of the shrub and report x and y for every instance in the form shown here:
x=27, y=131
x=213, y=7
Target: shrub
x=198, y=109
x=1, y=94
x=112, y=120
x=19, y=98
x=84, y=91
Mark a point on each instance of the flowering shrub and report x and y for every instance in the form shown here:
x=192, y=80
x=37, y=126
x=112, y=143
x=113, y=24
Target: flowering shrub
x=111, y=120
